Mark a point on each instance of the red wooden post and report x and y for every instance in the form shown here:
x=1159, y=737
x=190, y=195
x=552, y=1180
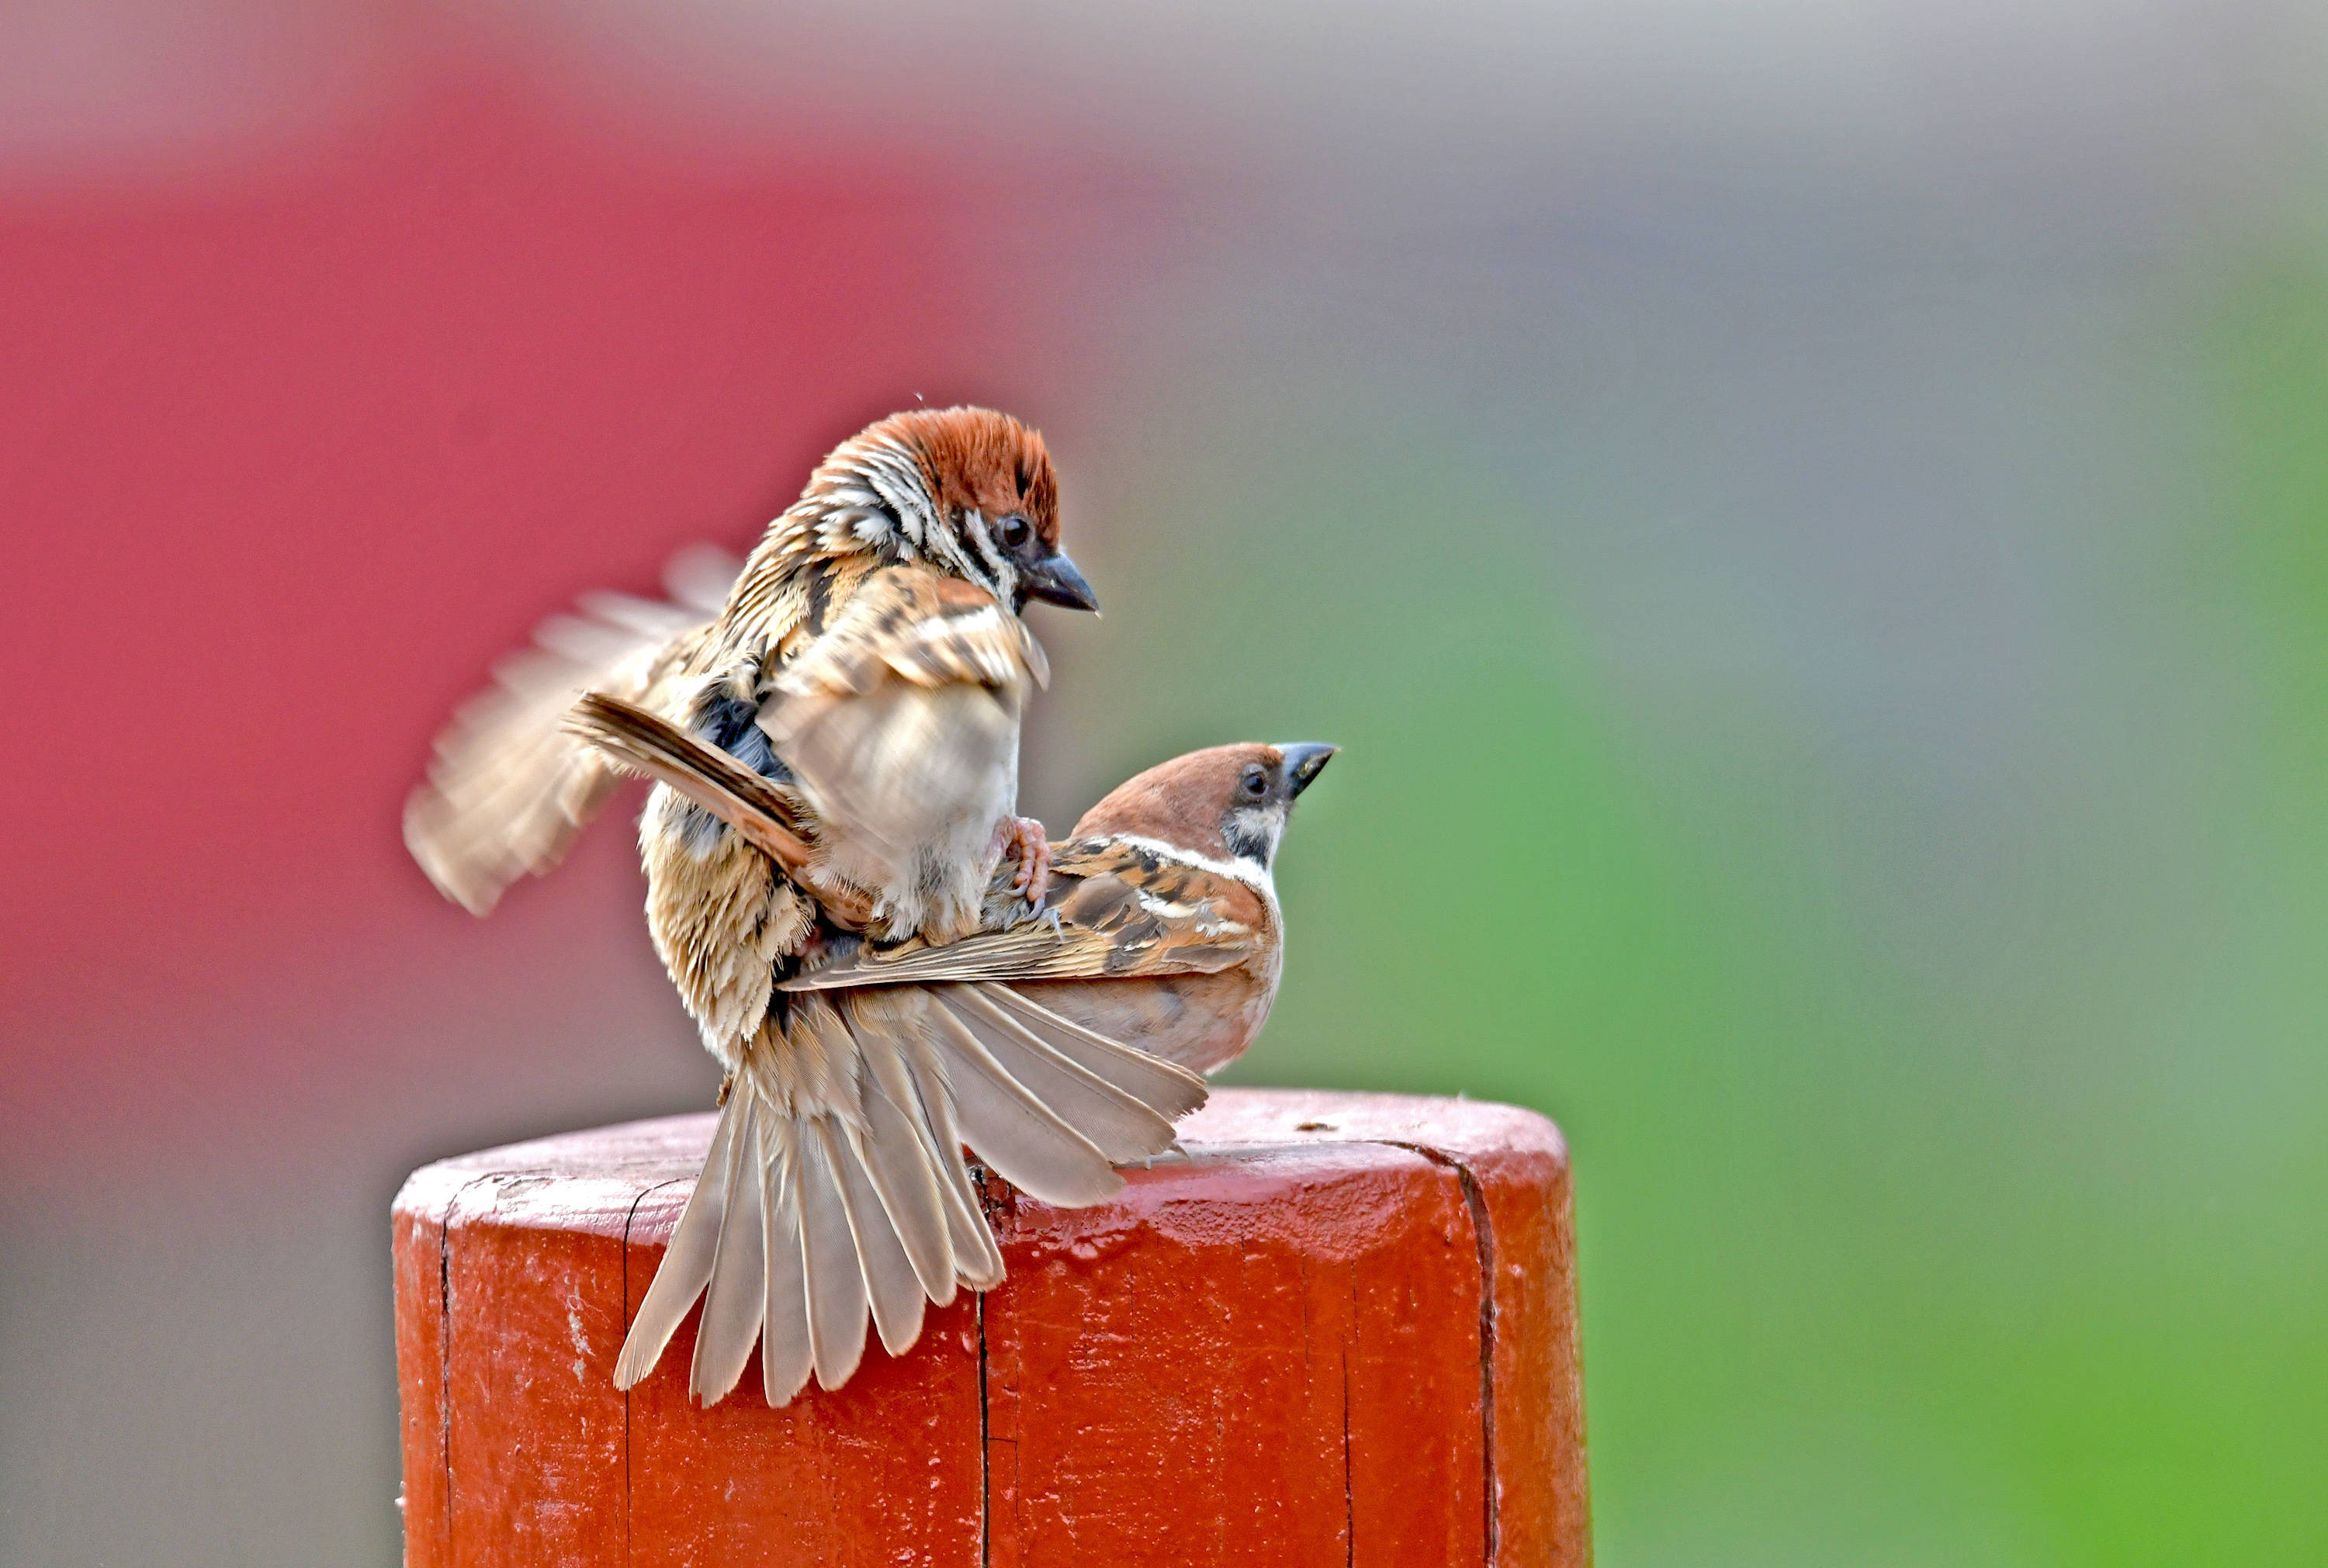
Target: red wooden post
x=1343, y=1330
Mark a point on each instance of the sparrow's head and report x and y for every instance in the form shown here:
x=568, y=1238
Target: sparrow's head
x=1228, y=802
x=968, y=491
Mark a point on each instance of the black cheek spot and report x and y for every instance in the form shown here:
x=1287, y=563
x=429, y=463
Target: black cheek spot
x=1246, y=842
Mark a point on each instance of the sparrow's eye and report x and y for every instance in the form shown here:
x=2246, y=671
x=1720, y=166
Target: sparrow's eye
x=1256, y=782
x=1014, y=529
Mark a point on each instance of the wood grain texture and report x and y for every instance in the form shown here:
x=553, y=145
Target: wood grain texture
x=1342, y=1331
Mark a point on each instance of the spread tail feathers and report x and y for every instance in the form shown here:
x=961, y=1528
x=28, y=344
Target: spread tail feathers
x=835, y=1182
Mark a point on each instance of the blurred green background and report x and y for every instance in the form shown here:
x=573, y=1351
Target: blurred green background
x=1809, y=519
x=1914, y=907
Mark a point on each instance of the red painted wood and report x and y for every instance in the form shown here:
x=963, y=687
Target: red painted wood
x=1514, y=1166
x=1274, y=1350
x=883, y=1471
x=418, y=1228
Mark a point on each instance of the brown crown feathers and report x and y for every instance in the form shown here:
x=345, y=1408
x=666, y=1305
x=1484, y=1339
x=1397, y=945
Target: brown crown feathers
x=984, y=463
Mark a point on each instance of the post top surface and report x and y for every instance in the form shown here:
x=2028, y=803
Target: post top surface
x=1339, y=1328
x=1233, y=1122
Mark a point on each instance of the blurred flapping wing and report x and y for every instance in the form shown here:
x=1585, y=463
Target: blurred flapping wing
x=509, y=787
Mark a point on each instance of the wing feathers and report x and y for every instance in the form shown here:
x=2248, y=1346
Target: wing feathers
x=507, y=790
x=976, y=1257
x=891, y=1286
x=1027, y=953
x=856, y=1199
x=1116, y=1123
x=901, y=1158
x=786, y=1354
x=649, y=743
x=836, y=1278
x=736, y=1297
x=1012, y=1131
x=1119, y=912
x=1168, y=1089
x=929, y=629
x=687, y=1261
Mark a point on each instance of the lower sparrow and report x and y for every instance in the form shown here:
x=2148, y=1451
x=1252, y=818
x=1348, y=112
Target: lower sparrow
x=1164, y=932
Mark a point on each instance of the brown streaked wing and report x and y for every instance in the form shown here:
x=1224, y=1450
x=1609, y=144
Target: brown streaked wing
x=1130, y=914
x=927, y=628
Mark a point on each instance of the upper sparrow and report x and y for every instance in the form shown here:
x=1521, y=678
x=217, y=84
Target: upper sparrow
x=863, y=676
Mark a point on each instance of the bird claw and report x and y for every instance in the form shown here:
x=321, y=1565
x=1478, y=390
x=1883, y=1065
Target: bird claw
x=1023, y=839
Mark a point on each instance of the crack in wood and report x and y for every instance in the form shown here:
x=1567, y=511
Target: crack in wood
x=985, y=1450
x=628, y=1458
x=1349, y=1497
x=445, y=1348
x=1485, y=1233
x=1483, y=1236
x=990, y=1205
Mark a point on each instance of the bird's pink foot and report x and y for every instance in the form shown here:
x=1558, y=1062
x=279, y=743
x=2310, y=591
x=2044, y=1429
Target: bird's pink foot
x=1023, y=839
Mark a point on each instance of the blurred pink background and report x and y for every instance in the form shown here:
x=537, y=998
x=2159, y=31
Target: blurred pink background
x=340, y=346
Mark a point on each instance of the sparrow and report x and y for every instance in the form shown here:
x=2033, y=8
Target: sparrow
x=1165, y=927
x=1165, y=882
x=865, y=675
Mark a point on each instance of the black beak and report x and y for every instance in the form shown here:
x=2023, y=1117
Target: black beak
x=1304, y=761
x=1054, y=579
